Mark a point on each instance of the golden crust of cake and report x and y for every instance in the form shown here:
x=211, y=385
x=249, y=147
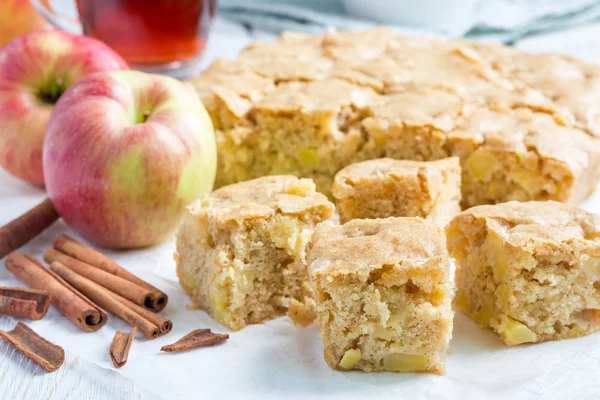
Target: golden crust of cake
x=388, y=166
x=391, y=63
x=368, y=243
x=386, y=187
x=262, y=197
x=325, y=97
x=309, y=105
x=569, y=82
x=540, y=226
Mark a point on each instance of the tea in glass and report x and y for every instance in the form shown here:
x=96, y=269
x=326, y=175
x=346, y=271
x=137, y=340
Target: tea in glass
x=153, y=35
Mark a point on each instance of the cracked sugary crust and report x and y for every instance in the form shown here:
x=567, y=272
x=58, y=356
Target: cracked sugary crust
x=310, y=105
x=386, y=187
x=409, y=242
x=387, y=166
x=540, y=227
x=262, y=198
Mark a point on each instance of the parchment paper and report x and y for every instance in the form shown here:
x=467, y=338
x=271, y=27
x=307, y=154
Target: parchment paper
x=277, y=360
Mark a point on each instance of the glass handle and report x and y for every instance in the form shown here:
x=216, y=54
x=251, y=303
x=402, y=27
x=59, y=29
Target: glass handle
x=62, y=22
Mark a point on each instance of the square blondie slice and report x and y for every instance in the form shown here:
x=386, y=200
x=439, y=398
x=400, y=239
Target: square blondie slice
x=241, y=251
x=530, y=271
x=386, y=187
x=383, y=294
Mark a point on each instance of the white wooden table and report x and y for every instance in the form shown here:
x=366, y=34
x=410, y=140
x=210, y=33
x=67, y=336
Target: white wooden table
x=82, y=379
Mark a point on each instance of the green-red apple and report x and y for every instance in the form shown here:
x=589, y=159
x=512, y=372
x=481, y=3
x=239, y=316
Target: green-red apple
x=125, y=152
x=35, y=69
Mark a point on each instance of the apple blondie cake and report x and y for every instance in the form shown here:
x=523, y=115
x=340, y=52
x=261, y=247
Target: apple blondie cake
x=386, y=187
x=525, y=127
x=530, y=271
x=383, y=294
x=241, y=251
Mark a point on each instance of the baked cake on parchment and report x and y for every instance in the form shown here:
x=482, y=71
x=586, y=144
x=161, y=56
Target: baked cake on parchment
x=530, y=271
x=241, y=251
x=383, y=294
x=525, y=127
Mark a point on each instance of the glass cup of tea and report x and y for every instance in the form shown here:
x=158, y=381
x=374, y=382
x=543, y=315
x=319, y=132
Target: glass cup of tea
x=159, y=36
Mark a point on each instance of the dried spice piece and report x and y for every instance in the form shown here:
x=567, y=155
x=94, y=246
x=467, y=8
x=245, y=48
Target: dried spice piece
x=119, y=348
x=196, y=338
x=106, y=299
x=23, y=302
x=75, y=249
x=75, y=306
x=115, y=284
x=48, y=355
x=21, y=230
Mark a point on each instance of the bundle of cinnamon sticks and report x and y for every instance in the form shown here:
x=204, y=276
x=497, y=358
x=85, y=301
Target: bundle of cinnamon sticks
x=82, y=282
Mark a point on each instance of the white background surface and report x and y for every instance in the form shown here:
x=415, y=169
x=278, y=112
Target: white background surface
x=276, y=360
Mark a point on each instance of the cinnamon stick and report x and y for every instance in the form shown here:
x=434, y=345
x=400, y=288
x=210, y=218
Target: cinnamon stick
x=78, y=250
x=23, y=302
x=76, y=307
x=196, y=338
x=48, y=355
x=119, y=348
x=104, y=298
x=164, y=325
x=115, y=284
x=24, y=228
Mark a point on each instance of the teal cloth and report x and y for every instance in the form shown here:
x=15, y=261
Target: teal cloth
x=317, y=15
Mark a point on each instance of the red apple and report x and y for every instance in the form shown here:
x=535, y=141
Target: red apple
x=124, y=153
x=35, y=69
x=18, y=17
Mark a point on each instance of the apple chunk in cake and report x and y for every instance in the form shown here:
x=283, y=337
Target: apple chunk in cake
x=241, y=250
x=530, y=271
x=382, y=293
x=386, y=187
